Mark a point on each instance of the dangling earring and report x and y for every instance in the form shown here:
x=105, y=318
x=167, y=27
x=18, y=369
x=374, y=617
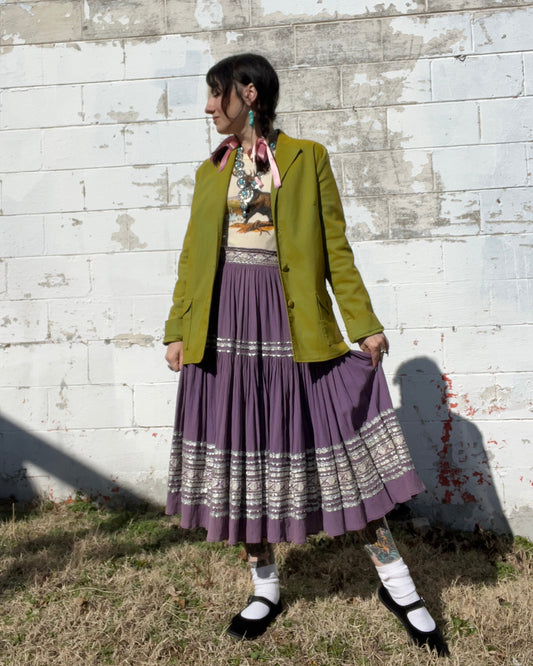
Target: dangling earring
x=251, y=118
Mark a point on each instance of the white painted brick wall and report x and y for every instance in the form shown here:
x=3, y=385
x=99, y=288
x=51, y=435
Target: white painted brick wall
x=426, y=108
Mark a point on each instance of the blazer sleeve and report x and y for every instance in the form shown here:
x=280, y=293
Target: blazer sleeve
x=346, y=282
x=173, y=325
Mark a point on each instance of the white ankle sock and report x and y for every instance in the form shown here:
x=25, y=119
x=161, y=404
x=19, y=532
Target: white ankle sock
x=266, y=583
x=397, y=580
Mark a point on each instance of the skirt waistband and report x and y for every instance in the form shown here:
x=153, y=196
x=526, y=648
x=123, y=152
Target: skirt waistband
x=251, y=256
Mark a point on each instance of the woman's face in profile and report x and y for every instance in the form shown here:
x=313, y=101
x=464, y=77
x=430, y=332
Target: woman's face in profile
x=231, y=121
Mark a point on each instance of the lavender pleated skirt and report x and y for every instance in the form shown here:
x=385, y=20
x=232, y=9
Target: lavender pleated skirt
x=265, y=447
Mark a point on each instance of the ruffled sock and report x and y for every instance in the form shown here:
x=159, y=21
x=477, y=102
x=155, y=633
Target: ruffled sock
x=266, y=584
x=397, y=580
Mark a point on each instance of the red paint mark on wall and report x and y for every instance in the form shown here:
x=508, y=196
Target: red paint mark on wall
x=451, y=476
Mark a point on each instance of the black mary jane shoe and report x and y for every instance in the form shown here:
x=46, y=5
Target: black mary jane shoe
x=242, y=628
x=433, y=639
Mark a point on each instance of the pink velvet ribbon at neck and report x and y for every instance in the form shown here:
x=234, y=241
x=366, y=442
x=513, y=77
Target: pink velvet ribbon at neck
x=261, y=151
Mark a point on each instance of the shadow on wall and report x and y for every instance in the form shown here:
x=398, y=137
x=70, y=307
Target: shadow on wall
x=448, y=452
x=28, y=464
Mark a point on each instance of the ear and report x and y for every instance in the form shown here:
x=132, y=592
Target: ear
x=249, y=94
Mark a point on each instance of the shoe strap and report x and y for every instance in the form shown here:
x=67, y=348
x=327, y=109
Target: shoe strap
x=416, y=604
x=263, y=600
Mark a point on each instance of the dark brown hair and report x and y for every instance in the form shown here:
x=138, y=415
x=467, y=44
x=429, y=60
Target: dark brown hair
x=248, y=68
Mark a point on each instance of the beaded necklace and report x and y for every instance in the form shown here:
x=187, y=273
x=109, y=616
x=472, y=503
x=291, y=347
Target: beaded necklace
x=247, y=183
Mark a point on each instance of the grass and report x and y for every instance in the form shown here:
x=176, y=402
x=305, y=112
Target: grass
x=83, y=585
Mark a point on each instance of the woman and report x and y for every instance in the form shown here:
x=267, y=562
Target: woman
x=281, y=431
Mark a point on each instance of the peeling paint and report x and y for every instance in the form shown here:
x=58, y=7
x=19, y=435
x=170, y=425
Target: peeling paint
x=124, y=116
x=125, y=340
x=53, y=280
x=209, y=14
x=125, y=236
x=63, y=402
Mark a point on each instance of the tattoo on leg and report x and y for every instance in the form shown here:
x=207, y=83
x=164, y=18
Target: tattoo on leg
x=260, y=554
x=379, y=543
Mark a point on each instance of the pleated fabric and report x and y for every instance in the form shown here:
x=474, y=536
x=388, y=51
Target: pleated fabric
x=265, y=447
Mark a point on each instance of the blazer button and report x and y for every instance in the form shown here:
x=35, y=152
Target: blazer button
x=290, y=304
x=285, y=268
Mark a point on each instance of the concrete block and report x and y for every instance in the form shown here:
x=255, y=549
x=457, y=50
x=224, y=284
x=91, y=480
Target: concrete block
x=21, y=66
x=43, y=364
x=347, y=131
x=125, y=187
x=489, y=257
x=124, y=101
x=40, y=22
x=191, y=15
x=476, y=77
x=276, y=44
x=310, y=89
x=20, y=150
x=181, y=183
x=341, y=43
x=128, y=273
x=455, y=5
x=288, y=122
x=400, y=262
x=187, y=96
x=123, y=18
x=166, y=56
x=174, y=141
x=90, y=407
x=486, y=349
x=82, y=147
x=270, y=12
x=480, y=167
x=80, y=62
x=42, y=192
x=387, y=172
x=510, y=300
x=420, y=345
x=48, y=277
x=25, y=408
x=409, y=37
x=384, y=304
x=114, y=464
x=49, y=106
x=444, y=305
x=154, y=404
x=116, y=231
x=22, y=235
x=23, y=321
x=499, y=31
x=434, y=214
x=524, y=256
x=506, y=120
x=507, y=211
x=367, y=218
x=428, y=125
x=113, y=319
x=528, y=73
x=124, y=363
x=3, y=277
x=383, y=84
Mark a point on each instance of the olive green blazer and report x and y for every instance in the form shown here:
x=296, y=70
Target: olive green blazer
x=312, y=248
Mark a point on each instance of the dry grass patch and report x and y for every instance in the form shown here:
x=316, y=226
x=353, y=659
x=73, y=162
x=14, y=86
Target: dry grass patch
x=82, y=585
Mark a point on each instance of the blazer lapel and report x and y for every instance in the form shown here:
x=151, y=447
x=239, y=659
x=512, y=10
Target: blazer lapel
x=286, y=153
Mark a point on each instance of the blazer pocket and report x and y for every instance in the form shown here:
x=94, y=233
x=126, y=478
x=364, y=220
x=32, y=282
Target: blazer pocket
x=327, y=320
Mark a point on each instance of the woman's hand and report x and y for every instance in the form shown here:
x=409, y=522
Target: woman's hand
x=377, y=345
x=174, y=356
